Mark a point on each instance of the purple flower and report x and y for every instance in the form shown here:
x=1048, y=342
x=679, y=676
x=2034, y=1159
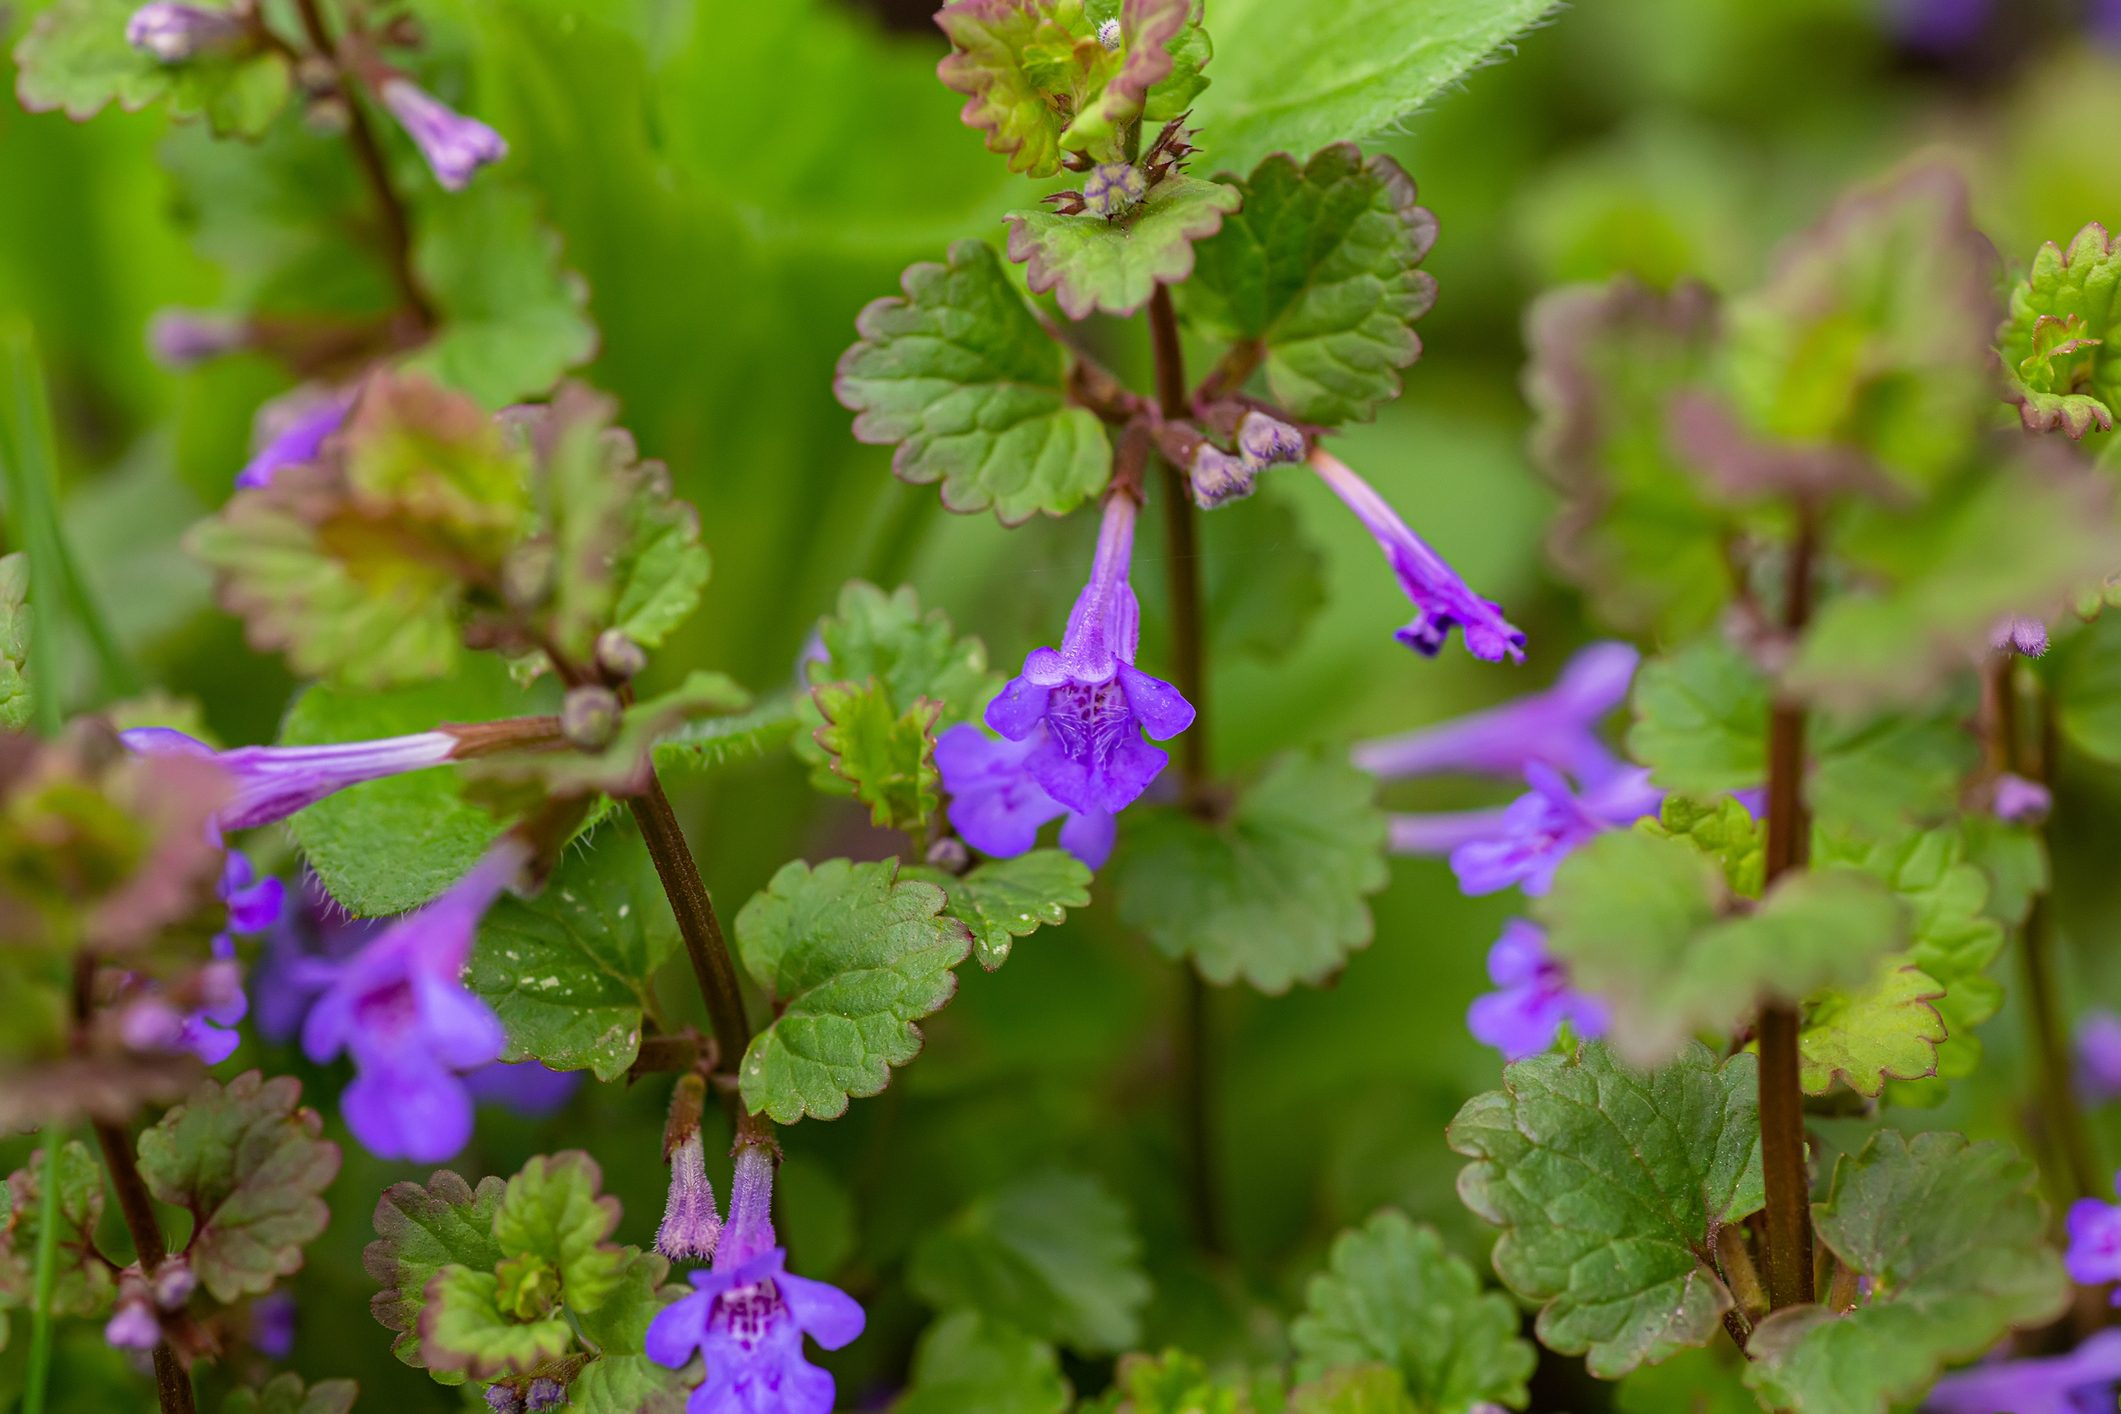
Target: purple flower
x=691, y=1225
x=133, y=1326
x=399, y=1007
x=174, y=33
x=292, y=431
x=1940, y=27
x=544, y=1393
x=1524, y=1016
x=523, y=1087
x=273, y=782
x=2020, y=635
x=1442, y=600
x=503, y=1399
x=288, y=979
x=272, y=1325
x=1084, y=706
x=2081, y=1382
x=180, y=338
x=1557, y=728
x=748, y=1316
x=998, y=808
x=2099, y=1055
x=455, y=146
x=2094, y=1253
x=2018, y=801
x=1541, y=828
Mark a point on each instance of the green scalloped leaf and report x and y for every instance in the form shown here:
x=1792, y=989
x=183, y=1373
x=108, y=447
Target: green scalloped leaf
x=1092, y=264
x=1863, y=1037
x=464, y=1330
x=1321, y=270
x=76, y=59
x=959, y=375
x=1002, y=900
x=419, y=1231
x=1953, y=1238
x=2060, y=347
x=1674, y=1153
x=966, y=1360
x=286, y=1394
x=887, y=757
x=851, y=958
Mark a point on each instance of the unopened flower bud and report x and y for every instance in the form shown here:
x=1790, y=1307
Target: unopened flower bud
x=589, y=717
x=1108, y=34
x=455, y=146
x=173, y=1284
x=133, y=1326
x=619, y=657
x=949, y=854
x=2020, y=635
x=174, y=33
x=1217, y=476
x=503, y=1399
x=545, y=1394
x=2018, y=801
x=691, y=1225
x=1113, y=189
x=181, y=338
x=1266, y=441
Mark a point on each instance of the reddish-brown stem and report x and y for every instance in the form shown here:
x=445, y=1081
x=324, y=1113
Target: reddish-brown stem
x=1230, y=371
x=697, y=923
x=368, y=155
x=505, y=734
x=1782, y=1158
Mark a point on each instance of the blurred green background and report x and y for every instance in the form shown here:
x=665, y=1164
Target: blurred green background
x=734, y=181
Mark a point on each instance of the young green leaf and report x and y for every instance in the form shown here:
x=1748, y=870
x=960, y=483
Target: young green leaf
x=1273, y=892
x=1295, y=75
x=852, y=958
x=966, y=1360
x=77, y=59
x=1396, y=1297
x=2061, y=347
x=514, y=319
x=961, y=378
x=419, y=1231
x=84, y=1282
x=1054, y=1255
x=1002, y=900
x=1953, y=1238
x=554, y=1211
x=888, y=758
x=1171, y=1383
x=1094, y=264
x=871, y=634
x=1359, y=1389
x=1646, y=1165
x=14, y=642
x=1720, y=828
x=622, y=1379
x=286, y=1394
x=1864, y=1036
x=465, y=1330
x=247, y=1162
x=570, y=971
x=1320, y=272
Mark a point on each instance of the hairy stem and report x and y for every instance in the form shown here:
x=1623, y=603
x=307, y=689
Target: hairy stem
x=697, y=923
x=172, y=1385
x=1182, y=571
x=1789, y=1223
x=368, y=155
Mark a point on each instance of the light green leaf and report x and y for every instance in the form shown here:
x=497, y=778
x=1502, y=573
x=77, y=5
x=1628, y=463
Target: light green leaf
x=553, y=1210
x=966, y=1360
x=14, y=642
x=1273, y=892
x=960, y=376
x=419, y=1231
x=1320, y=269
x=1295, y=76
x=77, y=59
x=1863, y=1037
x=570, y=971
x=1092, y=264
x=464, y=1331
x=2061, y=347
x=1395, y=1296
x=851, y=958
x=1002, y=900
x=286, y=1394
x=1054, y=1255
x=1171, y=1383
x=1954, y=1240
x=2086, y=683
x=1644, y=1166
x=622, y=1379
x=1722, y=829
x=387, y=846
x=247, y=1162
x=514, y=319
x=888, y=758
x=84, y=1284
x=1356, y=1389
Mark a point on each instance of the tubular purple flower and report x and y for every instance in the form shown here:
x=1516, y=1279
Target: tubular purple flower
x=1533, y=999
x=2094, y=1252
x=1442, y=600
x=455, y=146
x=273, y=782
x=292, y=431
x=998, y=809
x=1557, y=728
x=181, y=338
x=691, y=1224
x=2080, y=1382
x=1085, y=706
x=174, y=33
x=399, y=1007
x=133, y=1325
x=748, y=1316
x=1541, y=828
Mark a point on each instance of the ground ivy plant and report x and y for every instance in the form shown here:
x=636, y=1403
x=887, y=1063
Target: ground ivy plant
x=1847, y=510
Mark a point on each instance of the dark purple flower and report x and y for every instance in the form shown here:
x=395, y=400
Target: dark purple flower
x=174, y=33
x=2081, y=1382
x=1534, y=999
x=2094, y=1253
x=273, y=782
x=399, y=1007
x=523, y=1087
x=291, y=432
x=1541, y=828
x=2104, y=22
x=287, y=978
x=1940, y=27
x=272, y=1325
x=691, y=1224
x=1442, y=601
x=1556, y=728
x=2099, y=1055
x=455, y=146
x=503, y=1399
x=1084, y=706
x=180, y=338
x=254, y=904
x=748, y=1315
x=544, y=1394
x=998, y=808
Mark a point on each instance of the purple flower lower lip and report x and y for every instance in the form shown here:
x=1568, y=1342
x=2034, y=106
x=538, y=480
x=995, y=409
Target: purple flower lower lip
x=2077, y=1383
x=1523, y=843
x=1557, y=727
x=273, y=782
x=1442, y=601
x=1533, y=999
x=298, y=434
x=1085, y=706
x=998, y=809
x=455, y=146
